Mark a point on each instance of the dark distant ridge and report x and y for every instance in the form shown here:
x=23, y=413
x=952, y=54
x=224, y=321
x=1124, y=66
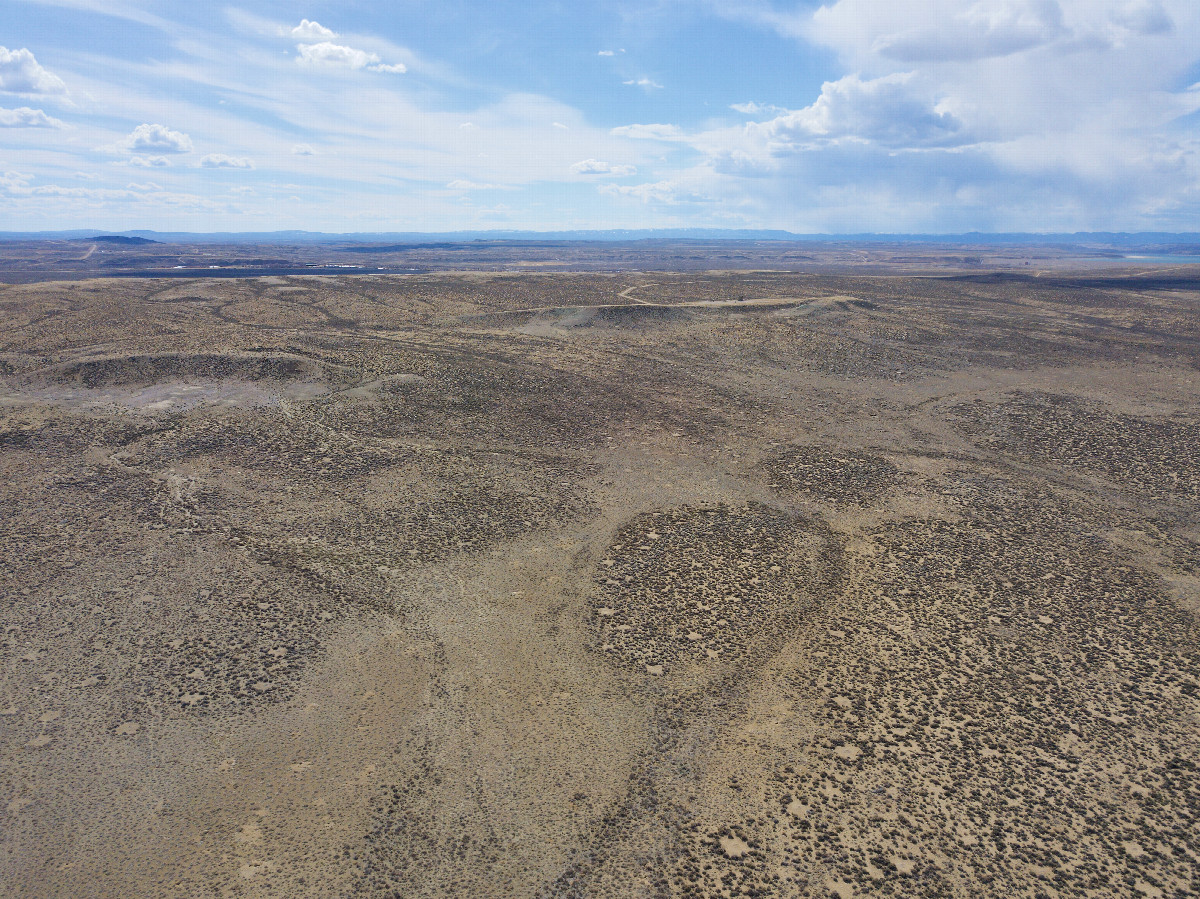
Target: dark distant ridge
x=116, y=238
x=1187, y=243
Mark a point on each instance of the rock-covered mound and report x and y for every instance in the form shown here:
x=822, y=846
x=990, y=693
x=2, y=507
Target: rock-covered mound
x=694, y=585
x=1152, y=456
x=836, y=476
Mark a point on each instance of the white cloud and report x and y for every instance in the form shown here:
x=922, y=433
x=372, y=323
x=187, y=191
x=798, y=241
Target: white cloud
x=82, y=193
x=753, y=108
x=24, y=117
x=886, y=111
x=149, y=162
x=662, y=193
x=462, y=184
x=221, y=161
x=146, y=187
x=918, y=31
x=312, y=31
x=995, y=28
x=561, y=127
x=643, y=82
x=156, y=139
x=20, y=73
x=328, y=53
x=1143, y=17
x=610, y=52
x=15, y=182
x=303, y=150
x=336, y=54
x=648, y=132
x=598, y=167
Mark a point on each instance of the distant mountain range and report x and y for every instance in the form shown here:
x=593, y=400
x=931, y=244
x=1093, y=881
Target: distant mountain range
x=1188, y=242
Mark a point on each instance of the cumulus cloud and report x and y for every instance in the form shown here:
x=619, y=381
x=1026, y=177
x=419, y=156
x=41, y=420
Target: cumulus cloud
x=312, y=31
x=149, y=162
x=916, y=31
x=156, y=139
x=648, y=132
x=20, y=73
x=981, y=30
x=303, y=150
x=931, y=30
x=599, y=167
x=328, y=53
x=1082, y=74
x=1143, y=17
x=885, y=111
x=221, y=161
x=24, y=117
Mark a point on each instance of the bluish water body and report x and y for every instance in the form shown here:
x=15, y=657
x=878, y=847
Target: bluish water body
x=1177, y=260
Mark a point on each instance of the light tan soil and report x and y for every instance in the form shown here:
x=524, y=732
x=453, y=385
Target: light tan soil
x=600, y=585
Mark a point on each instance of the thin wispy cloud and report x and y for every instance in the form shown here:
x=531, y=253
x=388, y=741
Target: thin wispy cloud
x=752, y=108
x=658, y=131
x=463, y=184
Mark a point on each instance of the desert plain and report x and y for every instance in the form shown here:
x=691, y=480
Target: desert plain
x=514, y=584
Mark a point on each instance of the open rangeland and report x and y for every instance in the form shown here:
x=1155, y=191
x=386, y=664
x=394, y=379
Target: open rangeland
x=710, y=584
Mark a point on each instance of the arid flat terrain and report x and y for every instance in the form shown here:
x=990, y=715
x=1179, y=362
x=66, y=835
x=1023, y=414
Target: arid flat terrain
x=700, y=584
x=208, y=256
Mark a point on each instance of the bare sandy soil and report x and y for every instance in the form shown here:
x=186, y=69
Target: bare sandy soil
x=712, y=584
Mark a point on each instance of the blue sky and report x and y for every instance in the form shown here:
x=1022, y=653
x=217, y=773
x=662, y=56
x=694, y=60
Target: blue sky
x=848, y=116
